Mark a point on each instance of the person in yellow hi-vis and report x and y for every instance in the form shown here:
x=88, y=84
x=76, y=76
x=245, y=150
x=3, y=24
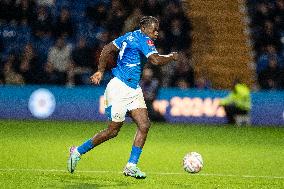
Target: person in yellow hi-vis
x=237, y=103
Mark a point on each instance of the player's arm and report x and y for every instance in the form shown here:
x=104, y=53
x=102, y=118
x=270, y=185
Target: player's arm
x=149, y=50
x=158, y=59
x=107, y=51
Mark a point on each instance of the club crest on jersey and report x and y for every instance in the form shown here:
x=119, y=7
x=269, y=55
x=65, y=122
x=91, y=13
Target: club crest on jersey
x=150, y=42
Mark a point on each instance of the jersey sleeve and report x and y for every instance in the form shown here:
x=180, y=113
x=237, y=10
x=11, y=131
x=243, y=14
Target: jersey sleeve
x=118, y=41
x=147, y=46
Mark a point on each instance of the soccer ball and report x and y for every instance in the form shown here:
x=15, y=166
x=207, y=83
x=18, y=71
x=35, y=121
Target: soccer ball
x=192, y=162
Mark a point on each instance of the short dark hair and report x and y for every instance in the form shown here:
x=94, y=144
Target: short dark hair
x=148, y=20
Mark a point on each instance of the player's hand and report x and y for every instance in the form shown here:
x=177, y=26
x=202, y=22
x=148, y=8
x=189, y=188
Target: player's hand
x=96, y=77
x=175, y=56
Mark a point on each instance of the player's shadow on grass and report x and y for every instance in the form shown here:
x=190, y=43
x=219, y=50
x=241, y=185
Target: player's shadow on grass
x=86, y=185
x=93, y=182
x=66, y=180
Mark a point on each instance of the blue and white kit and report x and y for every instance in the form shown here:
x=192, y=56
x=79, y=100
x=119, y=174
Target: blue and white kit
x=123, y=92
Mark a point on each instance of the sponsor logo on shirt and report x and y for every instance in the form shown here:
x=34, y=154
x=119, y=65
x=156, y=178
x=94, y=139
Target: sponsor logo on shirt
x=132, y=65
x=130, y=38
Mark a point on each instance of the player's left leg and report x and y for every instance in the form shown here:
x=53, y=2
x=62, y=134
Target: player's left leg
x=140, y=117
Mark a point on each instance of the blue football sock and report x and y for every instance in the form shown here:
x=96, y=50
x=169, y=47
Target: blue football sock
x=85, y=147
x=135, y=154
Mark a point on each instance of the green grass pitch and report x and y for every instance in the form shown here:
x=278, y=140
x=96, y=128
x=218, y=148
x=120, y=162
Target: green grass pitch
x=34, y=155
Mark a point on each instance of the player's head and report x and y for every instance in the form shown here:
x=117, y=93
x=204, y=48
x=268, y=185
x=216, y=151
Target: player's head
x=150, y=26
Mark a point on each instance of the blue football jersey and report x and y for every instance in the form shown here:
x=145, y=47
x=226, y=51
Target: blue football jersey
x=134, y=49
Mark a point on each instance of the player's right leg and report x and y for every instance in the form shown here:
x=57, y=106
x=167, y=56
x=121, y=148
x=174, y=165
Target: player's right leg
x=73, y=159
x=76, y=152
x=115, y=110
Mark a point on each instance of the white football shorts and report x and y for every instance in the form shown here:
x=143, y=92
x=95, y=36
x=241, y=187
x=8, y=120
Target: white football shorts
x=120, y=98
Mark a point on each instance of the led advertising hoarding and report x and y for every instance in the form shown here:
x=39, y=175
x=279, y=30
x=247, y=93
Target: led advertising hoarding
x=87, y=103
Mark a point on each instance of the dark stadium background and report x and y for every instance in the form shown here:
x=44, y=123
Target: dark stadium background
x=43, y=111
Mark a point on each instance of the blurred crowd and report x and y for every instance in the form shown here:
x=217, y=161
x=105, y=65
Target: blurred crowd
x=267, y=28
x=59, y=41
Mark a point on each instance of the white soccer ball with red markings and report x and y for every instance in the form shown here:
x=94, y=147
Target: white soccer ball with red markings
x=192, y=162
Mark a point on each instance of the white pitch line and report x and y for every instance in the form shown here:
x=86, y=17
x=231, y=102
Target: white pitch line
x=153, y=173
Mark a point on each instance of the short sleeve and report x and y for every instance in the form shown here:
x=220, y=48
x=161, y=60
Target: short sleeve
x=148, y=47
x=118, y=41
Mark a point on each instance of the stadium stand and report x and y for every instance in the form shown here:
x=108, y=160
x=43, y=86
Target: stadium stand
x=267, y=32
x=29, y=30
